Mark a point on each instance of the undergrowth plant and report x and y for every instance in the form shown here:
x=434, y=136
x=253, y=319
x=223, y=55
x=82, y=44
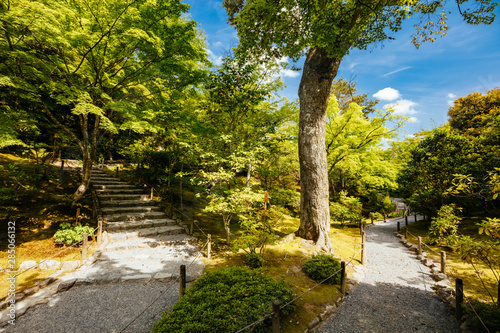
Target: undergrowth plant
x=226, y=300
x=321, y=266
x=444, y=227
x=69, y=235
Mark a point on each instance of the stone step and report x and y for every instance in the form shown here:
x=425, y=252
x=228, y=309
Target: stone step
x=117, y=187
x=151, y=242
x=120, y=191
x=129, y=209
x=127, y=203
x=145, y=232
x=128, y=225
x=114, y=197
x=133, y=216
x=107, y=182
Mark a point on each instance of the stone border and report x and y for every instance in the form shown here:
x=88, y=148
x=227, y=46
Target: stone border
x=441, y=286
x=44, y=289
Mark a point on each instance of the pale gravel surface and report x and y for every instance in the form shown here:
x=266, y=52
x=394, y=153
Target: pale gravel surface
x=396, y=292
x=99, y=308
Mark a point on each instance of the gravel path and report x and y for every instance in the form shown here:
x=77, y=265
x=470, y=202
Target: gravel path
x=99, y=308
x=395, y=294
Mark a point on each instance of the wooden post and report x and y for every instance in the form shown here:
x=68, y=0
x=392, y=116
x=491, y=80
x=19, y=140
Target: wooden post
x=406, y=233
x=419, y=245
x=191, y=227
x=99, y=232
x=276, y=316
x=62, y=165
x=443, y=262
x=371, y=217
x=117, y=168
x=152, y=193
x=406, y=220
x=84, y=246
x=459, y=292
x=182, y=286
x=385, y=217
x=209, y=245
x=363, y=248
x=343, y=278
x=78, y=214
x=399, y=226
x=361, y=227
x=415, y=217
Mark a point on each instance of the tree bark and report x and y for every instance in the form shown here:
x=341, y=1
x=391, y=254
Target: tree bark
x=314, y=92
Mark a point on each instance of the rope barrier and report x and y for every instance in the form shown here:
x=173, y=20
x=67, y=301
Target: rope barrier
x=465, y=296
x=475, y=312
x=163, y=292
x=296, y=298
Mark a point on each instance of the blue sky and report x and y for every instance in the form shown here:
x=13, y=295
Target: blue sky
x=423, y=82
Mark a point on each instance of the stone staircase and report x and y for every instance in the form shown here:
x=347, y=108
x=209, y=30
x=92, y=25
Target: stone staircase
x=143, y=242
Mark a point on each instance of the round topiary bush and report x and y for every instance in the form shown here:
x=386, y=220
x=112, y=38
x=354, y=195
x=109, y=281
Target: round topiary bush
x=225, y=300
x=321, y=266
x=255, y=260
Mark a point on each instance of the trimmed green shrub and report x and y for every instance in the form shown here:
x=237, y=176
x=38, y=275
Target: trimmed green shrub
x=226, y=300
x=255, y=260
x=489, y=313
x=321, y=266
x=67, y=235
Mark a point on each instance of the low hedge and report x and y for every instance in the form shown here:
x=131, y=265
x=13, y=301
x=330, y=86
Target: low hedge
x=226, y=300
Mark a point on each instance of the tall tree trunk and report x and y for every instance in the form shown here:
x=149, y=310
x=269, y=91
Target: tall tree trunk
x=314, y=92
x=86, y=173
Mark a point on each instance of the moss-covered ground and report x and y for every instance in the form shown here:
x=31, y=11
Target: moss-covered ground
x=473, y=279
x=37, y=198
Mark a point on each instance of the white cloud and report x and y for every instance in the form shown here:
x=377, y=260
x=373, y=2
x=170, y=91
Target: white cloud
x=404, y=107
x=451, y=99
x=218, y=44
x=216, y=60
x=387, y=94
x=289, y=73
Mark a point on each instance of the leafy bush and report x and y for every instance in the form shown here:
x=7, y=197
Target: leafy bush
x=67, y=235
x=444, y=227
x=489, y=313
x=255, y=260
x=347, y=209
x=226, y=300
x=321, y=266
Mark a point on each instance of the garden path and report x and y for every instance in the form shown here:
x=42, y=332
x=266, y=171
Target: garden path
x=395, y=294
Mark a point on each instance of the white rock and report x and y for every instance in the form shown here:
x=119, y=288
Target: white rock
x=46, y=265
x=29, y=264
x=70, y=265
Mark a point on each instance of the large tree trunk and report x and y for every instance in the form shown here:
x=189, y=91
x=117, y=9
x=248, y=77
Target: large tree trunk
x=314, y=92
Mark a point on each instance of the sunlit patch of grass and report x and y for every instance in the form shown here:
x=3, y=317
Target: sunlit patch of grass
x=456, y=268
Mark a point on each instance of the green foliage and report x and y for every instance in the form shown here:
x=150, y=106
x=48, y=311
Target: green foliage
x=255, y=260
x=241, y=202
x=469, y=113
x=435, y=159
x=444, y=227
x=347, y=209
x=69, y=235
x=321, y=266
x=489, y=314
x=387, y=205
x=354, y=141
x=225, y=300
